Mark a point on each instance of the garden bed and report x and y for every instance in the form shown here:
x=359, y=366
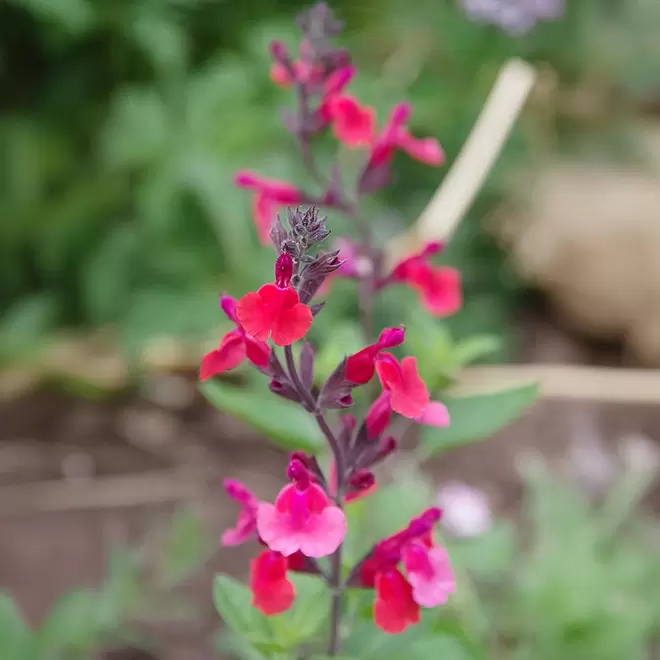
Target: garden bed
x=79, y=476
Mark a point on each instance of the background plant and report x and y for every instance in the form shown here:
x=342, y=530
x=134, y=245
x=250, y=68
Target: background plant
x=140, y=585
x=123, y=123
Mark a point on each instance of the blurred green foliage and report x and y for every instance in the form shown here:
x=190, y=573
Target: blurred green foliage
x=123, y=121
x=137, y=586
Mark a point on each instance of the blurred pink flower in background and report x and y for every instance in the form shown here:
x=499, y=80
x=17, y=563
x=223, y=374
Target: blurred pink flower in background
x=466, y=510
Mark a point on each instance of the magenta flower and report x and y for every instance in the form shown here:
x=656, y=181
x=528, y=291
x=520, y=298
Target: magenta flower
x=404, y=392
x=353, y=124
x=235, y=347
x=428, y=580
x=246, y=523
x=395, y=135
x=439, y=287
x=302, y=518
x=429, y=573
x=270, y=195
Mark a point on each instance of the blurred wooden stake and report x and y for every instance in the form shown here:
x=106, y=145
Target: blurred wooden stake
x=566, y=382
x=453, y=197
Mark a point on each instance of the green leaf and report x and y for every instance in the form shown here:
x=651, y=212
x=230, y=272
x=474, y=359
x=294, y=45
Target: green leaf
x=23, y=326
x=476, y=417
x=309, y=612
x=229, y=644
x=107, y=276
x=185, y=547
x=233, y=601
x=283, y=422
x=388, y=510
x=475, y=348
x=15, y=637
x=73, y=624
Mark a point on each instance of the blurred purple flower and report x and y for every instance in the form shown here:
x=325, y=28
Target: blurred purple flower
x=516, y=17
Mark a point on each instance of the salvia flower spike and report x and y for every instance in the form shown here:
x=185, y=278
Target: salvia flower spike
x=408, y=570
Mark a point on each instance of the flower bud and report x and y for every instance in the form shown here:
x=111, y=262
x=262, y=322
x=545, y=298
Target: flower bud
x=283, y=270
x=362, y=480
x=297, y=472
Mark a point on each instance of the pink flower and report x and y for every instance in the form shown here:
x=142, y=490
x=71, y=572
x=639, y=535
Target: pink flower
x=270, y=195
x=387, y=553
x=272, y=592
x=352, y=123
x=275, y=310
x=438, y=287
x=235, y=346
x=395, y=135
x=246, y=523
x=394, y=607
x=302, y=518
x=404, y=392
x=360, y=366
x=429, y=573
x=429, y=576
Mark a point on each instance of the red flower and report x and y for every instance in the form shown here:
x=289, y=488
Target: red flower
x=439, y=287
x=395, y=135
x=270, y=194
x=275, y=310
x=353, y=124
x=235, y=346
x=394, y=608
x=360, y=366
x=272, y=592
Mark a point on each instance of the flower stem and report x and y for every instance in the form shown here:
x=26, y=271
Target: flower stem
x=335, y=612
x=311, y=405
x=335, y=577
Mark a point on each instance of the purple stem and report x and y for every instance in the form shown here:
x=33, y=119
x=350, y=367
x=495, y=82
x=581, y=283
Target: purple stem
x=334, y=579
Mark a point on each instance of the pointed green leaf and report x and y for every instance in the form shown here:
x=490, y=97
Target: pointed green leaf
x=74, y=624
x=475, y=348
x=310, y=611
x=476, y=417
x=281, y=421
x=233, y=601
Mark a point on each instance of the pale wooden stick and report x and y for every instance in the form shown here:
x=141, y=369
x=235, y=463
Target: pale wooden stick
x=453, y=197
x=102, y=493
x=566, y=382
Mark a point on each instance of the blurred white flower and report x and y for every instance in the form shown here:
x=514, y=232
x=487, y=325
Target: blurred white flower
x=589, y=463
x=639, y=453
x=466, y=510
